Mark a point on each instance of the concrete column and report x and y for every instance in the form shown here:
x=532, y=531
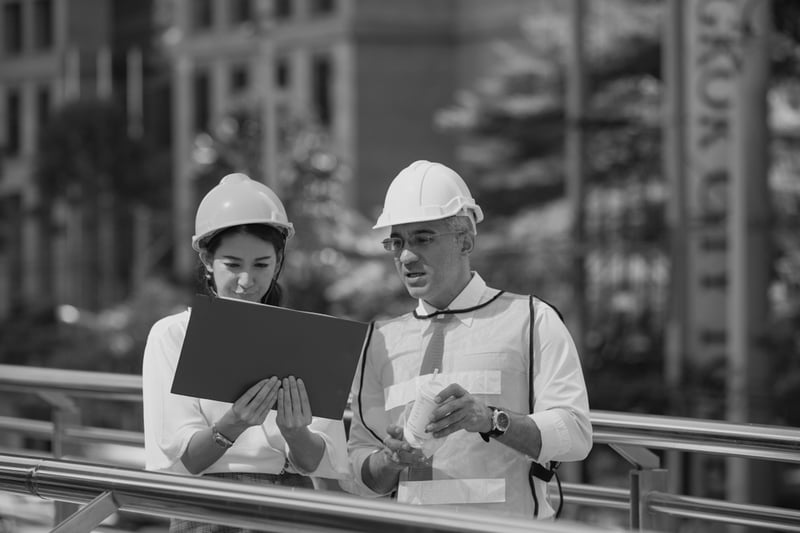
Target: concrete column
x=343, y=129
x=220, y=91
x=750, y=258
x=183, y=189
x=269, y=108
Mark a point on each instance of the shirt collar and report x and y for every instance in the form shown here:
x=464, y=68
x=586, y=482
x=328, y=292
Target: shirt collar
x=470, y=296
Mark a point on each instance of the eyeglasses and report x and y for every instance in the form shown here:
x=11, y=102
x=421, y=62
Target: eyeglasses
x=418, y=240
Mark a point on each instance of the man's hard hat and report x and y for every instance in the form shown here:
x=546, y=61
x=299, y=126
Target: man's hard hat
x=238, y=200
x=427, y=191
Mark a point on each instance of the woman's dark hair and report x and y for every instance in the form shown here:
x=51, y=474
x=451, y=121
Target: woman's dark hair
x=264, y=232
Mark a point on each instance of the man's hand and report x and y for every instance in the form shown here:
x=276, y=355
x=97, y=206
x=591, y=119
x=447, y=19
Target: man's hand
x=399, y=451
x=381, y=471
x=458, y=409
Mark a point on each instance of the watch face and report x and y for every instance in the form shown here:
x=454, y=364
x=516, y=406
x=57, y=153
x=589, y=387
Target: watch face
x=502, y=420
x=221, y=440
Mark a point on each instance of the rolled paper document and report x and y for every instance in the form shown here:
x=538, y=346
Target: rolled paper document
x=420, y=417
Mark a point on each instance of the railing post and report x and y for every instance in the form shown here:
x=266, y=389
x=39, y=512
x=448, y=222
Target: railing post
x=646, y=478
x=65, y=413
x=643, y=484
x=91, y=516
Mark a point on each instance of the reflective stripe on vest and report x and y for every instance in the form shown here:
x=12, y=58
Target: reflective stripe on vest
x=452, y=491
x=474, y=381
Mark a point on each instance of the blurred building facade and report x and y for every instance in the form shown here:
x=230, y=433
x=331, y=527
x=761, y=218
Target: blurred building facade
x=374, y=72
x=51, y=52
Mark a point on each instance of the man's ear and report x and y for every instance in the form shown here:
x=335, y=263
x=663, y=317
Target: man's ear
x=467, y=243
x=207, y=260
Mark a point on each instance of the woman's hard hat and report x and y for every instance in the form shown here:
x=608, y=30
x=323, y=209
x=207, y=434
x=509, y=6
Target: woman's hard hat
x=427, y=191
x=235, y=201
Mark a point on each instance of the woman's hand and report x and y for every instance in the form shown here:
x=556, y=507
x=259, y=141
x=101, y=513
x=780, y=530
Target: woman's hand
x=294, y=416
x=294, y=409
x=252, y=407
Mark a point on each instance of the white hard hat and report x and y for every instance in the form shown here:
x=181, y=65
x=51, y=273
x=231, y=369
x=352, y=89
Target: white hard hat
x=235, y=201
x=427, y=191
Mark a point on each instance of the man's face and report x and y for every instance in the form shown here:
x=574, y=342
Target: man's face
x=429, y=261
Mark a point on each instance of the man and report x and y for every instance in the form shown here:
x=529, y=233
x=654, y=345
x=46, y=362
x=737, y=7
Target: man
x=515, y=399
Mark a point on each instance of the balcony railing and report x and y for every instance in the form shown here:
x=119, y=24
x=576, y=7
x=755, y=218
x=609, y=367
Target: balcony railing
x=649, y=504
x=105, y=489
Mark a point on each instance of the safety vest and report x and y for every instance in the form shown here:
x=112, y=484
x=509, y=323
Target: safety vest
x=489, y=352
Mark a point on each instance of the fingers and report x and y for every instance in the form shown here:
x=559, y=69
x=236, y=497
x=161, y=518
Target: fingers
x=305, y=403
x=398, y=451
x=252, y=392
x=459, y=411
x=294, y=408
x=252, y=406
x=290, y=383
x=454, y=389
x=449, y=424
x=396, y=432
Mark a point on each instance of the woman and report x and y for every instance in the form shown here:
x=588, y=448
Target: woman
x=241, y=229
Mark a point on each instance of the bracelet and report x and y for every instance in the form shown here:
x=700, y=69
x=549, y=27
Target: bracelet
x=221, y=440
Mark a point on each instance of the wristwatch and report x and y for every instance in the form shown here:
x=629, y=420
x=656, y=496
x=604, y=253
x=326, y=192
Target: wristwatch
x=221, y=440
x=500, y=423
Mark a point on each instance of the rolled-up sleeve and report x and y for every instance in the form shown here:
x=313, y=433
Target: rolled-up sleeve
x=334, y=463
x=370, y=421
x=561, y=404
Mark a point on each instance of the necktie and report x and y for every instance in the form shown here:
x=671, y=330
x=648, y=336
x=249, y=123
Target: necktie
x=435, y=349
x=431, y=361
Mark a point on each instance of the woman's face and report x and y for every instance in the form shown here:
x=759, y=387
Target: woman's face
x=243, y=266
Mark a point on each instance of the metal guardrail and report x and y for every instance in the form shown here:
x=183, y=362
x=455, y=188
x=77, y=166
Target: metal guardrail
x=649, y=503
x=75, y=383
x=752, y=441
x=105, y=490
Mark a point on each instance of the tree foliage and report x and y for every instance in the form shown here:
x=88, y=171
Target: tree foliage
x=85, y=149
x=514, y=129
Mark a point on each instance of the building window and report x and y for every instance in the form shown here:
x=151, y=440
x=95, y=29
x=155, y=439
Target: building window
x=283, y=9
x=321, y=88
x=241, y=11
x=202, y=101
x=240, y=78
x=43, y=24
x=202, y=14
x=322, y=7
x=13, y=122
x=11, y=247
x=43, y=106
x=282, y=73
x=12, y=27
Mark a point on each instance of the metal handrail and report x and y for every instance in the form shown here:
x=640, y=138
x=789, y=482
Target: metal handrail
x=703, y=436
x=733, y=513
x=81, y=383
x=272, y=508
x=651, y=431
x=617, y=429
x=597, y=496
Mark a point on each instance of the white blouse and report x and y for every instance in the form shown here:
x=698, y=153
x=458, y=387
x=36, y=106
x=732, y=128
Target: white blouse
x=170, y=420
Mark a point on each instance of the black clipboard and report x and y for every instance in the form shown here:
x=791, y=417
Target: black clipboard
x=232, y=344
